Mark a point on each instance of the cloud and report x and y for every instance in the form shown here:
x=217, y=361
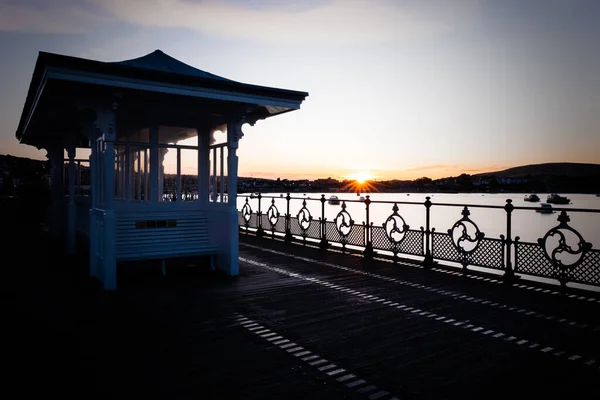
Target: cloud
x=55, y=17
x=336, y=21
x=268, y=21
x=432, y=167
x=282, y=175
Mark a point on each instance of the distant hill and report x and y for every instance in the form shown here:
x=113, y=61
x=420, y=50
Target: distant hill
x=555, y=169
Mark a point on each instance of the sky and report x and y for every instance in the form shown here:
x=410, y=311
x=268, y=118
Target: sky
x=398, y=89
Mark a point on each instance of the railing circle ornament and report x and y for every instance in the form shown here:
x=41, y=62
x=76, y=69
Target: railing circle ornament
x=246, y=212
x=563, y=246
x=465, y=234
x=395, y=227
x=273, y=214
x=343, y=221
x=304, y=217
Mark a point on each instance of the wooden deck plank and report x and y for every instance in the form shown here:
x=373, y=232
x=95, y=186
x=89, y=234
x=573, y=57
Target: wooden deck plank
x=496, y=318
x=470, y=356
x=179, y=337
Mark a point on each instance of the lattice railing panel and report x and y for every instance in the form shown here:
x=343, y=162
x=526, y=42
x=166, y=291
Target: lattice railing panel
x=253, y=223
x=379, y=240
x=530, y=260
x=332, y=233
x=589, y=269
x=241, y=221
x=356, y=236
x=280, y=225
x=314, y=230
x=412, y=243
x=294, y=227
x=442, y=247
x=489, y=253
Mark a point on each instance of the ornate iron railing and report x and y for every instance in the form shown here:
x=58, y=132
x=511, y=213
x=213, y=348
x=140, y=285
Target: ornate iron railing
x=562, y=254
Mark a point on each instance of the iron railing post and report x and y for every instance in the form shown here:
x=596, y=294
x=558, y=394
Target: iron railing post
x=246, y=223
x=288, y=229
x=368, y=253
x=259, y=231
x=323, y=242
x=509, y=274
x=428, y=260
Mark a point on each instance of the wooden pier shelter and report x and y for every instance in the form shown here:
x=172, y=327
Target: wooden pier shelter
x=131, y=115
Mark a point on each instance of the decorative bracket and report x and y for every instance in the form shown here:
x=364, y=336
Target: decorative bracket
x=563, y=246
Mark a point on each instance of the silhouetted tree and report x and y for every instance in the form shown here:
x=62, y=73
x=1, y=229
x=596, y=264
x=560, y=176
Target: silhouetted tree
x=423, y=181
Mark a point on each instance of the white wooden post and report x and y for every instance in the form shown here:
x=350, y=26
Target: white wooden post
x=230, y=264
x=127, y=174
x=203, y=166
x=222, y=175
x=162, y=152
x=56, y=156
x=154, y=165
x=72, y=211
x=234, y=134
x=108, y=273
x=93, y=235
x=138, y=176
x=214, y=175
x=178, y=179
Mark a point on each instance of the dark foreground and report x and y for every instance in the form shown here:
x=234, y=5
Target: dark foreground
x=297, y=323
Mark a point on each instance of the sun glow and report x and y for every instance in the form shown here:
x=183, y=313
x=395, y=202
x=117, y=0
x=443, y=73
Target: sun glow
x=360, y=177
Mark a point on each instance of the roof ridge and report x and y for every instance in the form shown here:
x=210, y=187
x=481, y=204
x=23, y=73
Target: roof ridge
x=160, y=61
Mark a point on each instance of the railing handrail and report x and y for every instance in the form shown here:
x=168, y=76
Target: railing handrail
x=420, y=203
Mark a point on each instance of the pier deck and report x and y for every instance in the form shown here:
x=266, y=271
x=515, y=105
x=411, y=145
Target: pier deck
x=300, y=323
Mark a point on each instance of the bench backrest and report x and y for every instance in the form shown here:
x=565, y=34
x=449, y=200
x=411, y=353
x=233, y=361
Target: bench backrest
x=162, y=235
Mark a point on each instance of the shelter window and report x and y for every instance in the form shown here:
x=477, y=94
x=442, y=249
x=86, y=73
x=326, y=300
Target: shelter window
x=178, y=164
x=132, y=172
x=178, y=173
x=218, y=173
x=175, y=169
x=82, y=173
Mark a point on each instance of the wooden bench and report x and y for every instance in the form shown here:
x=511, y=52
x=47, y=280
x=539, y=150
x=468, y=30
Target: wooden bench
x=162, y=236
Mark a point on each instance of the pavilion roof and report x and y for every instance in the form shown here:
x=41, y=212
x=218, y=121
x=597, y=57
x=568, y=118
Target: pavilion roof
x=159, y=61
x=58, y=79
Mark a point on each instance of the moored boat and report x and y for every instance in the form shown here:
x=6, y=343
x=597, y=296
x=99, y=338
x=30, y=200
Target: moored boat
x=333, y=199
x=557, y=199
x=545, y=208
x=534, y=198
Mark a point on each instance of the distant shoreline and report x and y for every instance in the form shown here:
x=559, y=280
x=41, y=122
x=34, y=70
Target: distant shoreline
x=312, y=191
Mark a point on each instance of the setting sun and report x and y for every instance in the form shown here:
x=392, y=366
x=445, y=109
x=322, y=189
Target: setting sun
x=360, y=177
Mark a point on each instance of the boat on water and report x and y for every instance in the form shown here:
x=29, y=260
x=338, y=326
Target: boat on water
x=333, y=199
x=545, y=208
x=557, y=199
x=534, y=198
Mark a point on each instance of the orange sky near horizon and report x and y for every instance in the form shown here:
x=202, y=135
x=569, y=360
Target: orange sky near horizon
x=433, y=172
